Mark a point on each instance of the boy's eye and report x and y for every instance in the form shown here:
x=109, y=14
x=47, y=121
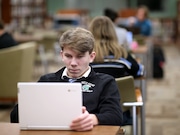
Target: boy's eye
x=80, y=56
x=68, y=56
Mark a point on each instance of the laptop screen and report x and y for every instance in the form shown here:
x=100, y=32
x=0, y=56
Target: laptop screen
x=48, y=106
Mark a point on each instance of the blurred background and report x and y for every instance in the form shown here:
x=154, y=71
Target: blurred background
x=43, y=21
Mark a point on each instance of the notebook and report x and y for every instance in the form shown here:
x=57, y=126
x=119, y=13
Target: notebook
x=48, y=106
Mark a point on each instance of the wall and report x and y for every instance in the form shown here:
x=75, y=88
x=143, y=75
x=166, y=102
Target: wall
x=169, y=11
x=96, y=6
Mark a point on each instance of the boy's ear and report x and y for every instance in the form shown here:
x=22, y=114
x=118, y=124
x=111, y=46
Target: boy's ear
x=92, y=56
x=61, y=54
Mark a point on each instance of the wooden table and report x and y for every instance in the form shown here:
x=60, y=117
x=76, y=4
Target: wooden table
x=21, y=38
x=36, y=35
x=13, y=129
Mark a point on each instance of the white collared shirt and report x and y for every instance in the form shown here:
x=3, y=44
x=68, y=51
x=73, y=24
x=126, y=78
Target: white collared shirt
x=84, y=75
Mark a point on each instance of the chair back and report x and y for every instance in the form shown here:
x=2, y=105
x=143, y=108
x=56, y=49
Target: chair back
x=17, y=64
x=126, y=89
x=48, y=42
x=115, y=68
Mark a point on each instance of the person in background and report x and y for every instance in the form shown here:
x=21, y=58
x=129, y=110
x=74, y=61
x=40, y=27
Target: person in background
x=121, y=32
x=101, y=98
x=6, y=40
x=107, y=46
x=141, y=20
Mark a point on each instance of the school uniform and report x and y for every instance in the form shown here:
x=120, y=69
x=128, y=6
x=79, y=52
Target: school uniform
x=100, y=95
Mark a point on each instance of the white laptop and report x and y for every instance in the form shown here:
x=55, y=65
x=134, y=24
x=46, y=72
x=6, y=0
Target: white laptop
x=48, y=106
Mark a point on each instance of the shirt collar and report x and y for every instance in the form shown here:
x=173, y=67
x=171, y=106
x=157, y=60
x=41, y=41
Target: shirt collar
x=86, y=74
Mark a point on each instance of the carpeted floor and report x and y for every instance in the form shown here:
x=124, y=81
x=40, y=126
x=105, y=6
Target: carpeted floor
x=163, y=98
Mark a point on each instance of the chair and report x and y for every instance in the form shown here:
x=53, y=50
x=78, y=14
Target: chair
x=128, y=12
x=45, y=48
x=130, y=97
x=17, y=64
x=48, y=42
x=117, y=69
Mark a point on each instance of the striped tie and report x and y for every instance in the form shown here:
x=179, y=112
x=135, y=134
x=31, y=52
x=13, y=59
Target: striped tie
x=71, y=80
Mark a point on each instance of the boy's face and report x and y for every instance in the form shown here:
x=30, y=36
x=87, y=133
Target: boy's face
x=141, y=14
x=76, y=64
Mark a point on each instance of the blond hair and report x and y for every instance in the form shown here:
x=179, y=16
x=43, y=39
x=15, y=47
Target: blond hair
x=106, y=41
x=77, y=39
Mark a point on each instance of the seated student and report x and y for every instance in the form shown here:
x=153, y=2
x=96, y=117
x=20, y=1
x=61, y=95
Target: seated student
x=107, y=46
x=101, y=104
x=141, y=21
x=122, y=33
x=6, y=40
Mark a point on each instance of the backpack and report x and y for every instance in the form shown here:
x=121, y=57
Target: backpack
x=158, y=62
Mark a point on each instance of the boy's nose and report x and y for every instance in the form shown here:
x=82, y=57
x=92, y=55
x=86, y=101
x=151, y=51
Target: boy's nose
x=73, y=61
